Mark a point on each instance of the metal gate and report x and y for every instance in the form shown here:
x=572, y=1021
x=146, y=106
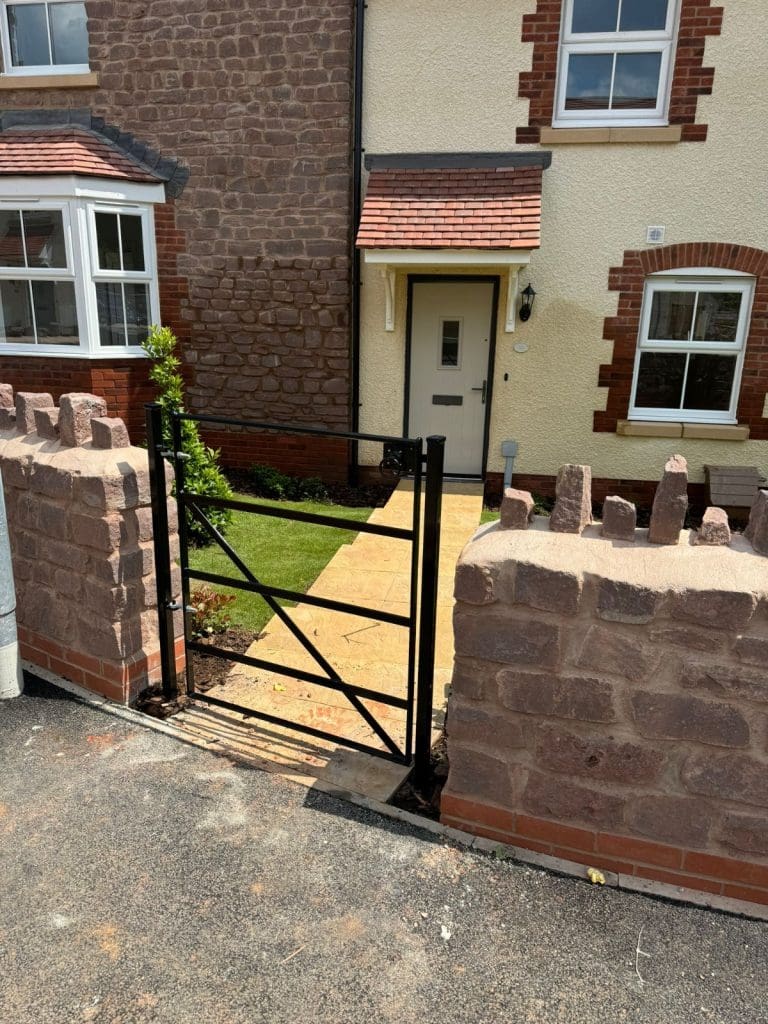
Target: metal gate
x=411, y=456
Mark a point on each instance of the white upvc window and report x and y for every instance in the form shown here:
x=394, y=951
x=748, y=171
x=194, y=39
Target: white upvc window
x=690, y=354
x=616, y=62
x=77, y=275
x=41, y=38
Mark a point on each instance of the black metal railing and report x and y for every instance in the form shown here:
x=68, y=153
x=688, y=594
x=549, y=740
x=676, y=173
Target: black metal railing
x=416, y=701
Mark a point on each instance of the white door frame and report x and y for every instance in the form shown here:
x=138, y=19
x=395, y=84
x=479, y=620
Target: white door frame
x=493, y=279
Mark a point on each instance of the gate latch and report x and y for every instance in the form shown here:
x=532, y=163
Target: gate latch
x=399, y=459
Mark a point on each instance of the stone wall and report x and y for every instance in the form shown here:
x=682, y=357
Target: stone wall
x=609, y=703
x=80, y=523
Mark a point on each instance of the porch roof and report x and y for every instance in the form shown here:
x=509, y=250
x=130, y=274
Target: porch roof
x=428, y=207
x=66, y=150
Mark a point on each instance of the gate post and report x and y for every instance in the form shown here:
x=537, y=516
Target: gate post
x=430, y=564
x=162, y=548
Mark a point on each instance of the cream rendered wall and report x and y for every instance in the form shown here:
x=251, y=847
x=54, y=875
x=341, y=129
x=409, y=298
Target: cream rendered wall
x=442, y=76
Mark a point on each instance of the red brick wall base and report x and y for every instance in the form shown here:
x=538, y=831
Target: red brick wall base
x=691, y=869
x=295, y=454
x=119, y=681
x=639, y=491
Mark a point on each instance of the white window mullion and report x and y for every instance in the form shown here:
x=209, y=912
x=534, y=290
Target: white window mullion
x=50, y=34
x=32, y=308
x=85, y=290
x=685, y=380
x=613, y=83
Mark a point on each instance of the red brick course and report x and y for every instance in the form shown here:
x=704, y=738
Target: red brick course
x=698, y=20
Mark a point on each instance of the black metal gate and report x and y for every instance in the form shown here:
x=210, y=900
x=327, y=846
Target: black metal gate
x=424, y=464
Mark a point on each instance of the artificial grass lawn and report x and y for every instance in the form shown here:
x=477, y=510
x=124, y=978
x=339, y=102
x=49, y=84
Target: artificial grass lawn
x=279, y=552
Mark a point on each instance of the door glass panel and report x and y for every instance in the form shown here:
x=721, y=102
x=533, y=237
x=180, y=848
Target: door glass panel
x=133, y=242
x=595, y=15
x=11, y=244
x=44, y=237
x=671, y=316
x=16, y=325
x=643, y=15
x=137, y=312
x=717, y=316
x=55, y=312
x=660, y=380
x=69, y=33
x=449, y=353
x=108, y=241
x=109, y=300
x=636, y=85
x=28, y=30
x=589, y=81
x=710, y=383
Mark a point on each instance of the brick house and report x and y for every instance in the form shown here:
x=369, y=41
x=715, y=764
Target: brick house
x=185, y=164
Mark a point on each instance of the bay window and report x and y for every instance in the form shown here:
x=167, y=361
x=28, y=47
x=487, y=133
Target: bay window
x=44, y=37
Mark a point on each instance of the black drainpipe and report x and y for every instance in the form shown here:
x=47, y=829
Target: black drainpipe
x=357, y=203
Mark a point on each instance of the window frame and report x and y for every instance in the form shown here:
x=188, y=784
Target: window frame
x=707, y=279
x=441, y=341
x=616, y=43
x=31, y=70
x=78, y=212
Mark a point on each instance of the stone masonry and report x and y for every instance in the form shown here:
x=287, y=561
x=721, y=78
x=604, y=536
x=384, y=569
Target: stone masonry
x=609, y=704
x=81, y=537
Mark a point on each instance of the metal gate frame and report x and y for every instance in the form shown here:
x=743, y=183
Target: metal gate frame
x=427, y=472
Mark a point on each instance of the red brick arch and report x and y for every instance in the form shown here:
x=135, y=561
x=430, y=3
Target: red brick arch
x=698, y=19
x=623, y=329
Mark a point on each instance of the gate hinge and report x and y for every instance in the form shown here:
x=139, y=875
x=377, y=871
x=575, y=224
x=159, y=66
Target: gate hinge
x=178, y=606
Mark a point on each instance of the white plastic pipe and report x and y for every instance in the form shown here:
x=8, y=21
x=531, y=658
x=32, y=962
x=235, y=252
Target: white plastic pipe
x=11, y=682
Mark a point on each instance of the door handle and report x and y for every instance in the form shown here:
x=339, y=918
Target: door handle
x=484, y=390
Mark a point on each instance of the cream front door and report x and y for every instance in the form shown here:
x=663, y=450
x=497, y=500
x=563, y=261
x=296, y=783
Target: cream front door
x=450, y=344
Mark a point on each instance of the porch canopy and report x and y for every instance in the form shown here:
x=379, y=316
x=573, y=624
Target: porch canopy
x=452, y=210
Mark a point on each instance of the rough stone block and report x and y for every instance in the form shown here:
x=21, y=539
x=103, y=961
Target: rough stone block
x=605, y=650
x=51, y=481
x=76, y=411
x=727, y=777
x=757, y=528
x=573, y=505
x=47, y=423
x=575, y=697
x=670, y=819
x=715, y=530
x=105, y=534
x=598, y=757
x=474, y=680
x=549, y=590
x=745, y=834
x=68, y=556
x=679, y=717
x=516, y=509
x=753, y=650
x=670, y=503
x=548, y=797
x=476, y=726
x=727, y=681
x=686, y=638
x=722, y=609
x=619, y=519
x=7, y=401
x=109, y=433
x=474, y=583
x=53, y=520
x=7, y=419
x=482, y=776
x=26, y=403
x=497, y=638
x=625, y=602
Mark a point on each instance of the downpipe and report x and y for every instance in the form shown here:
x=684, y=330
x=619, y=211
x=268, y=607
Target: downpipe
x=11, y=682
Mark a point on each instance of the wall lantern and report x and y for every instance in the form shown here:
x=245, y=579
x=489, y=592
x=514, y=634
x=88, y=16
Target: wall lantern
x=528, y=296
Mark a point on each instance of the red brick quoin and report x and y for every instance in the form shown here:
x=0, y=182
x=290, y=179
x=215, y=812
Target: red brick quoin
x=622, y=329
x=698, y=19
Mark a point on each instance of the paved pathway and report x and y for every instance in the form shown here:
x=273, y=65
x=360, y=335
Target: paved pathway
x=145, y=881
x=372, y=572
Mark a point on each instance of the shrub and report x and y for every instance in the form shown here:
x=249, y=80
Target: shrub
x=209, y=614
x=201, y=469
x=268, y=482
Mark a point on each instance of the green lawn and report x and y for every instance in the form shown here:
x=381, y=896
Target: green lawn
x=490, y=515
x=279, y=552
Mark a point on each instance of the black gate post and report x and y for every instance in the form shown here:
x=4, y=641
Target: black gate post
x=157, y=485
x=430, y=564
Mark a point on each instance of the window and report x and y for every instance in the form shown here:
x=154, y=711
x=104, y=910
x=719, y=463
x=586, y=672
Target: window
x=76, y=277
x=40, y=38
x=691, y=349
x=616, y=60
x=450, y=344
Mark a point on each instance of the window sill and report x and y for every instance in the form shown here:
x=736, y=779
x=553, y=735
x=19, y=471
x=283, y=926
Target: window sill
x=55, y=80
x=698, y=431
x=592, y=136
x=77, y=353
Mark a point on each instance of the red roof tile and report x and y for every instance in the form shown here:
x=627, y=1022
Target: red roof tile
x=482, y=208
x=66, y=150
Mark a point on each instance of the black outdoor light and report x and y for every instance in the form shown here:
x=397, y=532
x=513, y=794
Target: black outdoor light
x=528, y=296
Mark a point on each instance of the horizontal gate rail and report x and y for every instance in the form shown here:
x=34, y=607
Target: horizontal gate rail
x=298, y=597
x=279, y=428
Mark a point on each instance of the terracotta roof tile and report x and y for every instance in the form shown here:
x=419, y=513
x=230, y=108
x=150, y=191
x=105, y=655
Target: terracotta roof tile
x=482, y=208
x=66, y=150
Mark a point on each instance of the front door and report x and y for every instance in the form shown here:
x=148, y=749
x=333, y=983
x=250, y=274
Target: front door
x=450, y=343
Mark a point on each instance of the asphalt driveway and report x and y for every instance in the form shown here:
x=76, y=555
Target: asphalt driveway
x=142, y=880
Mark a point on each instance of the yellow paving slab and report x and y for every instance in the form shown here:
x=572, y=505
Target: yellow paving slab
x=371, y=573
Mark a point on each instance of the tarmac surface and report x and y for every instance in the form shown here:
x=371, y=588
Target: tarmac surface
x=144, y=881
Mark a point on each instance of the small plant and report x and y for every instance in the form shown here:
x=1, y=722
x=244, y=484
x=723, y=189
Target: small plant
x=268, y=482
x=209, y=614
x=201, y=469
